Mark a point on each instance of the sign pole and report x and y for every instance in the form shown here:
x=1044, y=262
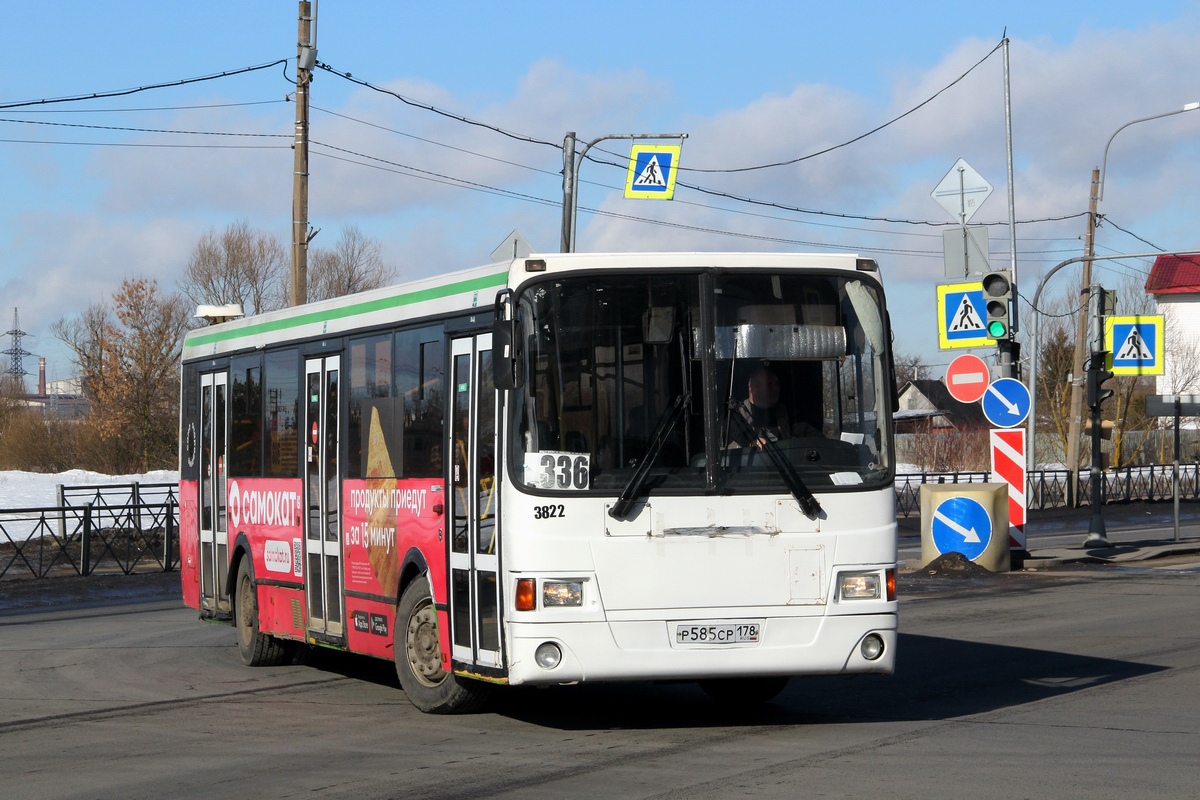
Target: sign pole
x=1096, y=531
x=1175, y=469
x=1174, y=405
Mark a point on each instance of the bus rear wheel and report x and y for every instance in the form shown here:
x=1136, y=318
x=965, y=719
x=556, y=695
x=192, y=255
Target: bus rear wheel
x=419, y=659
x=744, y=692
x=256, y=648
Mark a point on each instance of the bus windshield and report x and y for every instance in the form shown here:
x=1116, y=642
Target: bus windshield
x=703, y=381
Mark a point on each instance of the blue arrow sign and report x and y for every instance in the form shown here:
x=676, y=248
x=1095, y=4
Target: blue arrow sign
x=1006, y=403
x=961, y=525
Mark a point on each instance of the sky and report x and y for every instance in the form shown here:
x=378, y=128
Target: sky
x=99, y=190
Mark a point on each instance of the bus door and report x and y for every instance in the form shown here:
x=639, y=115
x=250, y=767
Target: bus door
x=474, y=543
x=214, y=535
x=322, y=497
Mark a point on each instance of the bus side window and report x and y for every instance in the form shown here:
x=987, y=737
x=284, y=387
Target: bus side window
x=419, y=389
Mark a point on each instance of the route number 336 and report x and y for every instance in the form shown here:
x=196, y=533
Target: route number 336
x=557, y=471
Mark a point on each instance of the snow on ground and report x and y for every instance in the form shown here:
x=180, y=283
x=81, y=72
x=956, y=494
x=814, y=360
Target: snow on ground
x=39, y=490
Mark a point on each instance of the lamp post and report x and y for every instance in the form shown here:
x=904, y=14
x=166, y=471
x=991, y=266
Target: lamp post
x=1081, y=353
x=571, y=166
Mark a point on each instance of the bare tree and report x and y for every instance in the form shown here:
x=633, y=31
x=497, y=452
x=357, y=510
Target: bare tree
x=88, y=337
x=239, y=265
x=355, y=264
x=909, y=367
x=128, y=358
x=1055, y=348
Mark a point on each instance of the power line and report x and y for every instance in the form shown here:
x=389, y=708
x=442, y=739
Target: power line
x=124, y=92
x=128, y=129
x=1105, y=218
x=144, y=108
x=728, y=195
x=435, y=143
x=859, y=138
x=164, y=145
x=427, y=107
x=516, y=136
x=423, y=174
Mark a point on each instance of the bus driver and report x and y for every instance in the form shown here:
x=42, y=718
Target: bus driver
x=764, y=414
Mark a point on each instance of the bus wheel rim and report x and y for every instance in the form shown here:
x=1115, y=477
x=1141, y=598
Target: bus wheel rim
x=421, y=645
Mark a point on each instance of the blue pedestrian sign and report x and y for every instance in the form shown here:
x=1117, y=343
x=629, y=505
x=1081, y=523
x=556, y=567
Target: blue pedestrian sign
x=1006, y=403
x=652, y=171
x=1136, y=344
x=961, y=319
x=961, y=525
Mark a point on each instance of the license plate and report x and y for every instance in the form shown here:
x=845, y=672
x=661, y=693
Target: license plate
x=718, y=633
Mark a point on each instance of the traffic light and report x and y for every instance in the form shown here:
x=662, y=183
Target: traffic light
x=997, y=294
x=1096, y=376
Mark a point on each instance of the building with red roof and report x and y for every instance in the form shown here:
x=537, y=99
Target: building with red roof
x=1175, y=284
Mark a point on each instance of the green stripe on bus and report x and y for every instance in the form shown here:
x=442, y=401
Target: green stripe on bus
x=366, y=307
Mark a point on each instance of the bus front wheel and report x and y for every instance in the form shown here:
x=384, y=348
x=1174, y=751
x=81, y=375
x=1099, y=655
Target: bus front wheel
x=256, y=648
x=419, y=659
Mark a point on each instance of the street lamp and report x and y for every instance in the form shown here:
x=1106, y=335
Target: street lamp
x=571, y=165
x=1089, y=250
x=1104, y=162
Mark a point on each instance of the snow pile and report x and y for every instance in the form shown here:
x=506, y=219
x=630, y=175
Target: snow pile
x=40, y=490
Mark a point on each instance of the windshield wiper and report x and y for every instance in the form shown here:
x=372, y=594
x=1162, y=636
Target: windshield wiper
x=808, y=503
x=666, y=424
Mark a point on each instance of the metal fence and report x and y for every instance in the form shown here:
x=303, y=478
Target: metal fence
x=116, y=527
x=135, y=526
x=1047, y=488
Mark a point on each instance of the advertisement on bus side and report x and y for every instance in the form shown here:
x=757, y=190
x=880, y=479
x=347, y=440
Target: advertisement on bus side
x=382, y=519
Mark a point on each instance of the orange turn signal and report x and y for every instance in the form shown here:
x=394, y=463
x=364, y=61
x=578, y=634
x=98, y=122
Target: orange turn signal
x=526, y=594
x=891, y=584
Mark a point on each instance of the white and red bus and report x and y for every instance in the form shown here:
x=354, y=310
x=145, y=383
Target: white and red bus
x=555, y=470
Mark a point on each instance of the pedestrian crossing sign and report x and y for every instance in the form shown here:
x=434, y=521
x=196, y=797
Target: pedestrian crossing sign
x=961, y=319
x=652, y=169
x=1135, y=344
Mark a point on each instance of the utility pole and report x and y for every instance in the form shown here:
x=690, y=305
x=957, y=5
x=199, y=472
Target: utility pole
x=1074, y=425
x=568, y=208
x=306, y=59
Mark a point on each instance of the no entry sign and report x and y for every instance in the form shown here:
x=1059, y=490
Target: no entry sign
x=967, y=378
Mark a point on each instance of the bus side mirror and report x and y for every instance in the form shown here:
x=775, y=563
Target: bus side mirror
x=506, y=354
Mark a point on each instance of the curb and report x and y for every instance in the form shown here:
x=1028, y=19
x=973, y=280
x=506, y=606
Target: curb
x=1127, y=553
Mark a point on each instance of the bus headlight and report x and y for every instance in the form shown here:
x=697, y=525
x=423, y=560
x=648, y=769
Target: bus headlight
x=859, y=586
x=872, y=646
x=548, y=655
x=562, y=593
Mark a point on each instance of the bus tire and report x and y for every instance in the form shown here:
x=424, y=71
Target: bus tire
x=256, y=648
x=743, y=692
x=419, y=660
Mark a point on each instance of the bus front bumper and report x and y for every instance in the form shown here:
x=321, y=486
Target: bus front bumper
x=680, y=649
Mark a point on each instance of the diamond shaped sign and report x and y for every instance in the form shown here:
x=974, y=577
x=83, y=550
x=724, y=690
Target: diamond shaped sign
x=962, y=191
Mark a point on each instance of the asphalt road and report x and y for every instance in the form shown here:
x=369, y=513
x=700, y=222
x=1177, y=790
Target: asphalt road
x=1075, y=682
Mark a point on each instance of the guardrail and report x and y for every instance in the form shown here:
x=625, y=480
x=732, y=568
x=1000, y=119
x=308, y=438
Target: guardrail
x=121, y=527
x=134, y=525
x=1047, y=488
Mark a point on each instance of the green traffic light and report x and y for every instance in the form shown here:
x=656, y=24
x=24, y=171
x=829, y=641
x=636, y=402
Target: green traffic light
x=997, y=329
